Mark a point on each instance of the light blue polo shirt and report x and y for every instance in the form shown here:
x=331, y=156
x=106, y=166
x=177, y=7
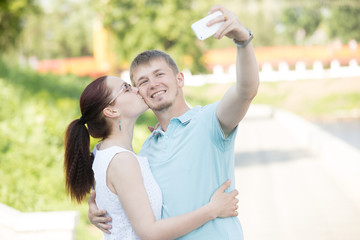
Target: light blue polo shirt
x=189, y=162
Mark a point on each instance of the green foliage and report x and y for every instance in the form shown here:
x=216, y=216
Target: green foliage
x=12, y=16
x=34, y=113
x=35, y=109
x=163, y=24
x=300, y=22
x=344, y=23
x=64, y=29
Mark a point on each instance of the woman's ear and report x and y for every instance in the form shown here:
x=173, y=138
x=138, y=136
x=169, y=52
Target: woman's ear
x=109, y=112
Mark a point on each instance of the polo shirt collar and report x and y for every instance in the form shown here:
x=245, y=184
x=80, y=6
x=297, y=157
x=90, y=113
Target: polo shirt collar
x=184, y=119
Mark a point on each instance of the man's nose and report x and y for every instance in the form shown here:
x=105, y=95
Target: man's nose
x=153, y=82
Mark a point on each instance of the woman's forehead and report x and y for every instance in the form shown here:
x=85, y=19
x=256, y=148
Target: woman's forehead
x=114, y=81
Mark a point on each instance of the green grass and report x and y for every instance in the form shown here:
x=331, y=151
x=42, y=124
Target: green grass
x=335, y=103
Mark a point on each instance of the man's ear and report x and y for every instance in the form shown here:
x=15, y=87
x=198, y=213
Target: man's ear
x=180, y=79
x=109, y=112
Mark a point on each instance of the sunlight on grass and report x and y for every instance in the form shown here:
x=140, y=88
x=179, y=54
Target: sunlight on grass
x=335, y=103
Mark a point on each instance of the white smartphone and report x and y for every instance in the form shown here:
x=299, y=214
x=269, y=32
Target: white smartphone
x=202, y=31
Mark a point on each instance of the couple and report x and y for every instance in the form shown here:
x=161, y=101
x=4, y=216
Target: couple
x=190, y=154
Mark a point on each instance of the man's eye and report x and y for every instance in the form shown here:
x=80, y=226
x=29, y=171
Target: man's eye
x=159, y=74
x=142, y=82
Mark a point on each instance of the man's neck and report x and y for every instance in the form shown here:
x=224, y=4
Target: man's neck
x=165, y=116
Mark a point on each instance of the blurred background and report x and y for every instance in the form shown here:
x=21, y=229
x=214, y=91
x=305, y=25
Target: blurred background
x=308, y=57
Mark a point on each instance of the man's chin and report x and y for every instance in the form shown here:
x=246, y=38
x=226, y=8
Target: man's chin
x=160, y=107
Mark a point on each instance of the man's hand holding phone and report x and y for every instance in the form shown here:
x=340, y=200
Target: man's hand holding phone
x=201, y=28
x=221, y=22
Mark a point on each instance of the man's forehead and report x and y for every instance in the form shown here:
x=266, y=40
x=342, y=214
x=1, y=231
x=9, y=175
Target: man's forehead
x=148, y=68
x=153, y=63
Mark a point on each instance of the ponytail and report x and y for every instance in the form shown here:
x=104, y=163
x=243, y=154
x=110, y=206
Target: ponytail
x=78, y=161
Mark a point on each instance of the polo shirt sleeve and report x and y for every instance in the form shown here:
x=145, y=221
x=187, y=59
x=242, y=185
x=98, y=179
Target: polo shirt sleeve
x=216, y=133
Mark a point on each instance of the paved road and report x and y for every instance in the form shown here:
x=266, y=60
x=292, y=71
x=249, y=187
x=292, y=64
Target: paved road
x=348, y=131
x=286, y=192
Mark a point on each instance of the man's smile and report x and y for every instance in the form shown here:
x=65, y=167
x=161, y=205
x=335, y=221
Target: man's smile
x=158, y=93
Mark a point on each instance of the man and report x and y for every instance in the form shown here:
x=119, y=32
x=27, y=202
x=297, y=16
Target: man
x=191, y=152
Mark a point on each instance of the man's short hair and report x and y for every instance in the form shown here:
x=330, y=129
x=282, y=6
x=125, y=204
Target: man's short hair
x=147, y=56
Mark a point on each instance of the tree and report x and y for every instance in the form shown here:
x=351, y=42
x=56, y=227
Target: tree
x=300, y=22
x=62, y=30
x=162, y=24
x=12, y=17
x=344, y=22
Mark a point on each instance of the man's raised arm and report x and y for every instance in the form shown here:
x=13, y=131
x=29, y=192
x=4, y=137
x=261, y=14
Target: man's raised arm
x=235, y=103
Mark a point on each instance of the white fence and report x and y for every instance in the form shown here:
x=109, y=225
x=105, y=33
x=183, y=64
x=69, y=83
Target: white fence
x=16, y=225
x=282, y=72
x=317, y=72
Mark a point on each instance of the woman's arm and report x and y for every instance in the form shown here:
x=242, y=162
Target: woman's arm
x=125, y=179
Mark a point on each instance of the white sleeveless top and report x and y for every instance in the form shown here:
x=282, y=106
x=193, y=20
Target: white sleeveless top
x=105, y=199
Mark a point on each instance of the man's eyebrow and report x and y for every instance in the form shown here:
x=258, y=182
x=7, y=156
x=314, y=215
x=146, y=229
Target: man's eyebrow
x=154, y=72
x=140, y=78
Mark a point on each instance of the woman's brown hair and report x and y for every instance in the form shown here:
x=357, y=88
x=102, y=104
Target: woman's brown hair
x=78, y=158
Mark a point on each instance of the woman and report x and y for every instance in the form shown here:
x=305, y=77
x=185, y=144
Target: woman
x=123, y=181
